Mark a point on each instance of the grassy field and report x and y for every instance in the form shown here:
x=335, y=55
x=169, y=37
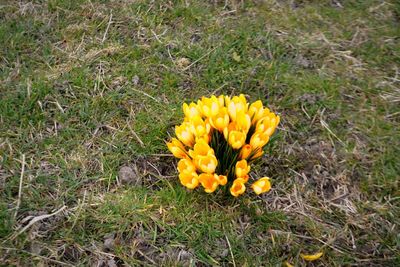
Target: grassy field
x=87, y=87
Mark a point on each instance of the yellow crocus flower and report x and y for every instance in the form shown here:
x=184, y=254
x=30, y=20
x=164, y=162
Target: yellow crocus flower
x=189, y=179
x=262, y=185
x=238, y=187
x=221, y=120
x=191, y=110
x=242, y=168
x=236, y=139
x=268, y=124
x=257, y=111
x=199, y=127
x=201, y=148
x=237, y=104
x=258, y=140
x=209, y=106
x=177, y=149
x=186, y=165
x=243, y=121
x=209, y=182
x=184, y=134
x=207, y=164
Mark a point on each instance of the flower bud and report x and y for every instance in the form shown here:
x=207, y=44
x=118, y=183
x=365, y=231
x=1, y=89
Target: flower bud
x=257, y=153
x=245, y=152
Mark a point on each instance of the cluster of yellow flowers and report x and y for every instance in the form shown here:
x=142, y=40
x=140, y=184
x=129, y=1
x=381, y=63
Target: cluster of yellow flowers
x=217, y=141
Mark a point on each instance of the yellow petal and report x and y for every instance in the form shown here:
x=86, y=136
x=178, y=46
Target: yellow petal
x=311, y=257
x=288, y=264
x=258, y=190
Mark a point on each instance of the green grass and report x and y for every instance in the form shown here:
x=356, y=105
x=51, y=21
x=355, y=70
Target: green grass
x=74, y=94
